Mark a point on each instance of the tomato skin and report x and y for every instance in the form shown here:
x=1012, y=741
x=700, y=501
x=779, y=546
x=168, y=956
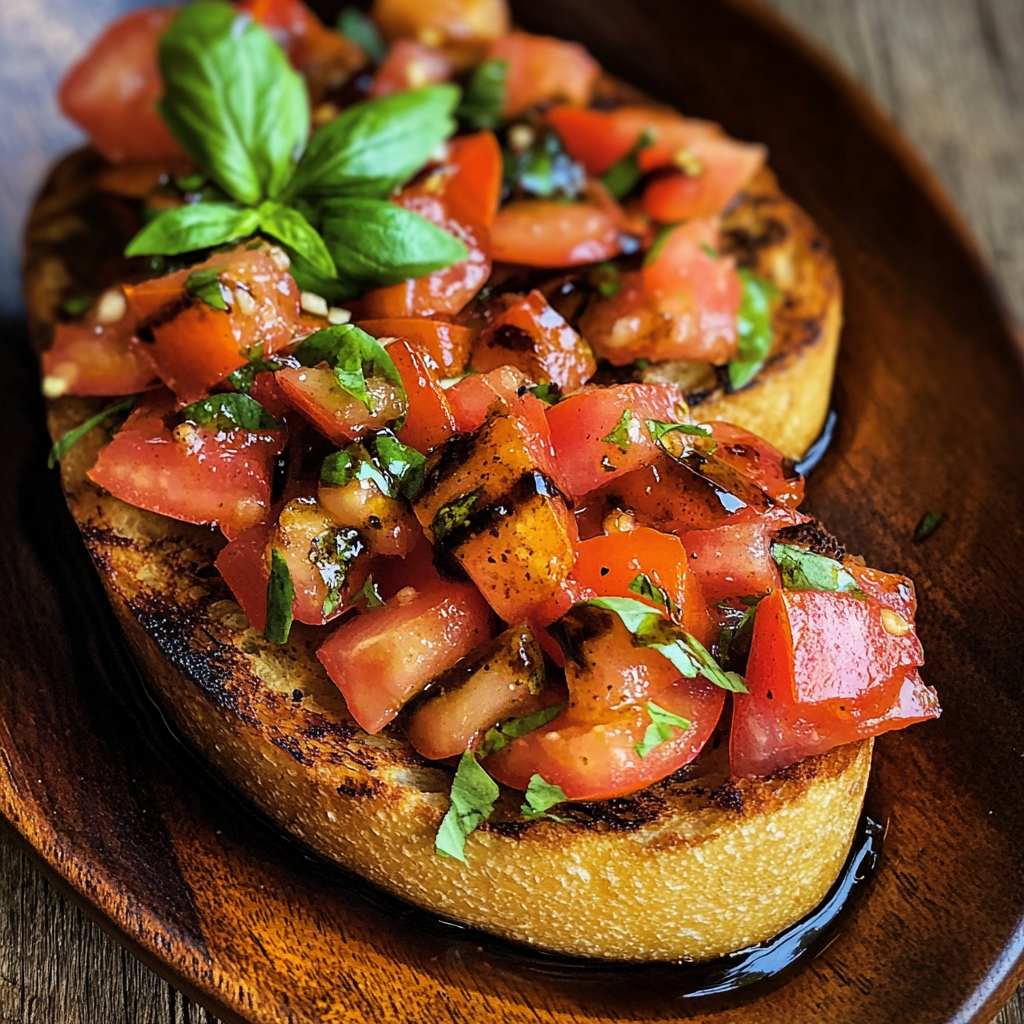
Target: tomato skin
x=409, y=65
x=526, y=332
x=447, y=345
x=580, y=422
x=243, y=565
x=266, y=389
x=542, y=68
x=193, y=474
x=430, y=420
x=382, y=658
x=112, y=91
x=759, y=462
x=546, y=233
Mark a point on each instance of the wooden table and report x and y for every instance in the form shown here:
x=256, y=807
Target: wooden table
x=951, y=72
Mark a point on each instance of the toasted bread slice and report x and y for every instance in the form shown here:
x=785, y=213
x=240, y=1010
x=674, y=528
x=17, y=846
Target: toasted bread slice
x=695, y=866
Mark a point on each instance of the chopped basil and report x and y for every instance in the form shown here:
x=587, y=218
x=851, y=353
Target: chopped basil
x=500, y=736
x=73, y=436
x=472, y=801
x=709, y=250
x=484, y=99
x=644, y=586
x=280, y=598
x=734, y=638
x=404, y=465
x=206, y=285
x=804, y=570
x=660, y=729
x=658, y=245
x=244, y=377
x=540, y=796
x=607, y=279
x=754, y=328
x=362, y=30
x=333, y=552
x=927, y=525
x=353, y=355
x=622, y=177
x=368, y=594
x=658, y=429
x=229, y=411
x=77, y=305
x=622, y=435
x=454, y=514
x=549, y=393
x=542, y=169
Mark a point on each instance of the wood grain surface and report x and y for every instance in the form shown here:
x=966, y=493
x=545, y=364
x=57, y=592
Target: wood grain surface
x=952, y=74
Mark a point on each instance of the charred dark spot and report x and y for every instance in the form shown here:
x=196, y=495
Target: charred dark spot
x=316, y=731
x=728, y=797
x=814, y=536
x=358, y=788
x=297, y=695
x=513, y=338
x=291, y=746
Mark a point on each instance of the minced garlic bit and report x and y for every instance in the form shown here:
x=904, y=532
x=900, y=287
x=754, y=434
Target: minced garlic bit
x=279, y=257
x=245, y=302
x=313, y=304
x=440, y=153
x=111, y=307
x=337, y=315
x=619, y=522
x=521, y=137
x=688, y=162
x=893, y=623
x=417, y=74
x=54, y=387
x=324, y=114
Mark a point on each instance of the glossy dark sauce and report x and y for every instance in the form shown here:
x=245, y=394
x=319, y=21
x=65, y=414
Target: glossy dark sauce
x=817, y=450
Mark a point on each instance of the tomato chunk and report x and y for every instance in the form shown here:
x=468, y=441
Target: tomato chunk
x=112, y=91
x=430, y=420
x=546, y=233
x=526, y=332
x=759, y=462
x=243, y=564
x=381, y=659
x=447, y=345
x=410, y=65
x=195, y=474
x=442, y=22
x=542, y=68
x=581, y=423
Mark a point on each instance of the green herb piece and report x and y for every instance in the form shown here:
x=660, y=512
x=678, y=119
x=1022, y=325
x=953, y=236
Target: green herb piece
x=658, y=429
x=306, y=277
x=622, y=177
x=500, y=736
x=689, y=649
x=244, y=377
x=362, y=30
x=658, y=245
x=232, y=100
x=928, y=524
x=280, y=597
x=72, y=437
x=734, y=638
x=368, y=594
x=621, y=436
x=294, y=231
x=804, y=570
x=190, y=182
x=353, y=355
x=333, y=552
x=549, y=393
x=754, y=328
x=229, y=411
x=644, y=586
x=540, y=796
x=191, y=227
x=373, y=146
x=404, y=465
x=206, y=285
x=543, y=169
x=77, y=305
x=607, y=279
x=472, y=802
x=709, y=250
x=484, y=98
x=660, y=729
x=454, y=514
x=339, y=468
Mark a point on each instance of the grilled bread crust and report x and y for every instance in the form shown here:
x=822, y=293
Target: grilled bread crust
x=695, y=866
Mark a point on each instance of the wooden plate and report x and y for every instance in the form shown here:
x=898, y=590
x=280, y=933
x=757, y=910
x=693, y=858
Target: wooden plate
x=930, y=400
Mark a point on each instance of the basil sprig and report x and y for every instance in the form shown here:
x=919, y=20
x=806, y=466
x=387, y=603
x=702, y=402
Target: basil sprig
x=360, y=28
x=622, y=434
x=241, y=112
x=754, y=327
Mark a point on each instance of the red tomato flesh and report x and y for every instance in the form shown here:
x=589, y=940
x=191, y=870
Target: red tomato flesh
x=542, y=68
x=446, y=345
x=430, y=420
x=410, y=65
x=243, y=564
x=546, y=233
x=381, y=659
x=442, y=22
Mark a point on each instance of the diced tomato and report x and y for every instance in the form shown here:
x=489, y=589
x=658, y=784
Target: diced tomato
x=385, y=523
x=266, y=389
x=682, y=305
x=581, y=423
x=590, y=749
x=526, y=332
x=447, y=345
x=888, y=589
x=243, y=564
x=196, y=346
x=442, y=22
x=381, y=659
x=112, y=91
x=430, y=420
x=759, y=462
x=824, y=669
x=542, y=68
x=410, y=65
x=546, y=233
x=190, y=473
x=473, y=169
x=416, y=569
x=315, y=392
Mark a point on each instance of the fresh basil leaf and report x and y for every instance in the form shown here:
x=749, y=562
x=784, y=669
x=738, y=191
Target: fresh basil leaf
x=804, y=570
x=292, y=229
x=362, y=30
x=191, y=227
x=549, y=393
x=244, y=377
x=622, y=435
x=644, y=586
x=232, y=100
x=484, y=98
x=376, y=243
x=403, y=464
x=658, y=429
x=709, y=250
x=927, y=525
x=206, y=285
x=542, y=169
x=658, y=245
x=229, y=411
x=368, y=594
x=339, y=468
x=540, y=796
x=473, y=796
x=623, y=176
x=64, y=444
x=660, y=729
x=754, y=328
x=687, y=649
x=454, y=514
x=634, y=614
x=500, y=736
x=280, y=598
x=353, y=355
x=333, y=552
x=308, y=280
x=374, y=146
